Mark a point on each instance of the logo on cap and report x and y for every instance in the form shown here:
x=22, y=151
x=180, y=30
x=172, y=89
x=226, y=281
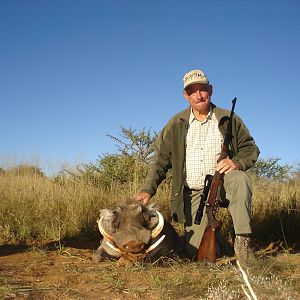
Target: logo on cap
x=194, y=76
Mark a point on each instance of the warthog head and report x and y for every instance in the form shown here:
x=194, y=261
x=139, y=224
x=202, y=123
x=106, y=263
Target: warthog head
x=135, y=232
x=130, y=229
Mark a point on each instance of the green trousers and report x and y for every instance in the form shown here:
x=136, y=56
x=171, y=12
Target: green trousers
x=238, y=189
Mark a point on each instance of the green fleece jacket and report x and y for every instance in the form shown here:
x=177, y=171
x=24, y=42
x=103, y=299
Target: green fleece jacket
x=170, y=154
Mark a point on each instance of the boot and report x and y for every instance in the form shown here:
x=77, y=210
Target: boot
x=242, y=250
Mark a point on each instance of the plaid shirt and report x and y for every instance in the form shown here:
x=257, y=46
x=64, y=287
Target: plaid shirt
x=203, y=147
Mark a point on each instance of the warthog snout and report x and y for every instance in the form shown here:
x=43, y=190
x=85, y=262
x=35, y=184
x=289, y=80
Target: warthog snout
x=133, y=247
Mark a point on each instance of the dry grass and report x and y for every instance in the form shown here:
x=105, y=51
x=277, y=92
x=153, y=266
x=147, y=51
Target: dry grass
x=38, y=208
x=276, y=211
x=270, y=279
x=42, y=209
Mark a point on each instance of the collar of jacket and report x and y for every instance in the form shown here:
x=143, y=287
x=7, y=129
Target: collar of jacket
x=221, y=114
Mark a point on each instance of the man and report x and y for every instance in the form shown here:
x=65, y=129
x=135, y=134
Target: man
x=190, y=144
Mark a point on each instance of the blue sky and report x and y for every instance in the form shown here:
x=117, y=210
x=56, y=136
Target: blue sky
x=73, y=71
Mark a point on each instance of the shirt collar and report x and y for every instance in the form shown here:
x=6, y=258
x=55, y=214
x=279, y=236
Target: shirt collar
x=208, y=117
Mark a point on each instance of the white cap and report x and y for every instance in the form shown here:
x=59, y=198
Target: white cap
x=194, y=76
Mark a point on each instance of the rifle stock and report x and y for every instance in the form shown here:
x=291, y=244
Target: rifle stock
x=208, y=244
x=207, y=247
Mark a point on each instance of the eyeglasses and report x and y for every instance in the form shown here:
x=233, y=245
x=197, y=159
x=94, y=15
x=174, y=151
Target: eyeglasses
x=192, y=89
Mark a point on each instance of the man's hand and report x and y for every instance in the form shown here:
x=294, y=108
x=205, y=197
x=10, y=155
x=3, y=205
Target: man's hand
x=143, y=197
x=227, y=165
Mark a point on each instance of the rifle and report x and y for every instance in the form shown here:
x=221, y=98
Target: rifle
x=207, y=248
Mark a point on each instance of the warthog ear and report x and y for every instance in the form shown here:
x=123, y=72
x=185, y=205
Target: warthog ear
x=152, y=216
x=106, y=213
x=152, y=219
x=109, y=213
x=109, y=219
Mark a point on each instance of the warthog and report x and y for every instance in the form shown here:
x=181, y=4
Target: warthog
x=135, y=232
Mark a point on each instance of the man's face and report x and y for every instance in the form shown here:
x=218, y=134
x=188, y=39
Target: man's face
x=198, y=95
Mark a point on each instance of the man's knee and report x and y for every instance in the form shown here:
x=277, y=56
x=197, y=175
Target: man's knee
x=237, y=180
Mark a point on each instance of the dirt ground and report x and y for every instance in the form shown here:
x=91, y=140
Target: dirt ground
x=55, y=272
x=68, y=272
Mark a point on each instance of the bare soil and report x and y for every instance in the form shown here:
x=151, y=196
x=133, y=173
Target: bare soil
x=67, y=272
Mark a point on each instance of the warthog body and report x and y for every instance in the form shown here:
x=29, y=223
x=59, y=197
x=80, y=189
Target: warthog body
x=134, y=232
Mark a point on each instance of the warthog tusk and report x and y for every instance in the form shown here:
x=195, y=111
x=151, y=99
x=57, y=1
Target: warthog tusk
x=103, y=232
x=157, y=230
x=155, y=244
x=115, y=248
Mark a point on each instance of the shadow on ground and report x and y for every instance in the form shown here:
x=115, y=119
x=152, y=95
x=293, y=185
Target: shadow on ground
x=77, y=243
